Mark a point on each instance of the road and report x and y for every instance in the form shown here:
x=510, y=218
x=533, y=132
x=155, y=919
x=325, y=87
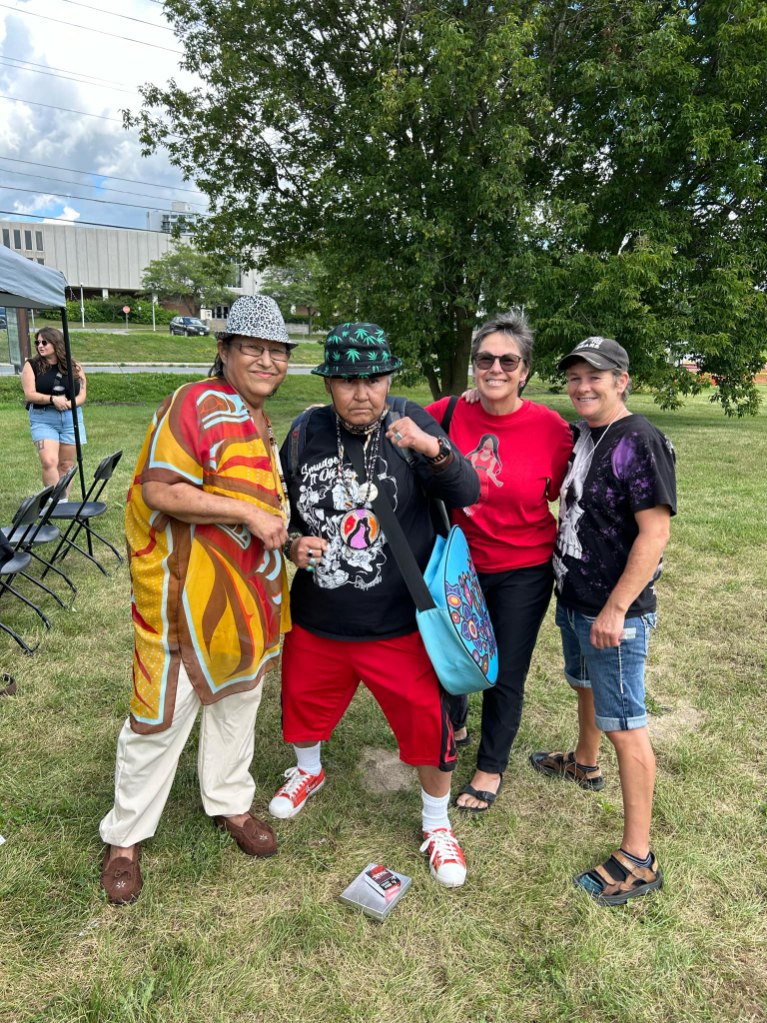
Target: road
x=200, y=369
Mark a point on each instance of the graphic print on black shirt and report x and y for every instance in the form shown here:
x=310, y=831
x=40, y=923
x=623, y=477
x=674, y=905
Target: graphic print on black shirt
x=331, y=506
x=615, y=472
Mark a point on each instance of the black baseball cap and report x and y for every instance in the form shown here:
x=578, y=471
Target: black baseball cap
x=599, y=352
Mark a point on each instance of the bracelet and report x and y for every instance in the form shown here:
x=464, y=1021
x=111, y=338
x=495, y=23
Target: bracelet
x=51, y=401
x=287, y=547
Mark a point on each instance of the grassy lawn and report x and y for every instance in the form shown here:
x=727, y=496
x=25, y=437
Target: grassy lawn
x=217, y=937
x=143, y=345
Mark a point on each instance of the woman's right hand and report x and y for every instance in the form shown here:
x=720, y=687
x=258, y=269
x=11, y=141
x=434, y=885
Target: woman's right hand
x=270, y=529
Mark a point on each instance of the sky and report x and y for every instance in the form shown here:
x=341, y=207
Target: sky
x=51, y=57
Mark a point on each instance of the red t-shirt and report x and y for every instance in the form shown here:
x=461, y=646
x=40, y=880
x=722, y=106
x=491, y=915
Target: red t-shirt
x=520, y=459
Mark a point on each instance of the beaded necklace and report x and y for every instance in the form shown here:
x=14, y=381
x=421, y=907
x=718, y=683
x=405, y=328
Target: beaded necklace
x=368, y=491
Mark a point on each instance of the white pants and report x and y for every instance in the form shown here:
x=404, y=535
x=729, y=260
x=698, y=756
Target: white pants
x=146, y=764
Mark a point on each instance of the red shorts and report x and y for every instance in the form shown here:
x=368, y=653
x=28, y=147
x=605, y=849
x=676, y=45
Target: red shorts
x=320, y=676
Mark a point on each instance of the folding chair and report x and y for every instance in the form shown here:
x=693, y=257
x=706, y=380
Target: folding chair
x=8, y=571
x=80, y=513
x=30, y=528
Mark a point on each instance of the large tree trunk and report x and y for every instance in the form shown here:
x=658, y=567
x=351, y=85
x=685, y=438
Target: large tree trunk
x=454, y=360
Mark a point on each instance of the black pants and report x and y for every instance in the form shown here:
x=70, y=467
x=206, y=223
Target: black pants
x=517, y=601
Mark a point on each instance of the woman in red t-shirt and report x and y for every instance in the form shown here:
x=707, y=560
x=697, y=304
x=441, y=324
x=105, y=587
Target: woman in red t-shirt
x=520, y=451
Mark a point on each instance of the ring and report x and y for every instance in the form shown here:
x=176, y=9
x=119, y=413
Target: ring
x=310, y=568
x=398, y=435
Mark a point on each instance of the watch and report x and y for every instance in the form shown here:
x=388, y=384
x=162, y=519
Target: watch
x=445, y=451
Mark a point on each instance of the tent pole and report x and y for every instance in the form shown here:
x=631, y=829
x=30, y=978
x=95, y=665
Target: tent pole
x=75, y=421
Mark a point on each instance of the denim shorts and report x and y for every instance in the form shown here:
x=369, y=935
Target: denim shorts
x=49, y=424
x=614, y=674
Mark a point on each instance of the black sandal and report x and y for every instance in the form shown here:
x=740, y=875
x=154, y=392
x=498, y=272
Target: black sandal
x=483, y=794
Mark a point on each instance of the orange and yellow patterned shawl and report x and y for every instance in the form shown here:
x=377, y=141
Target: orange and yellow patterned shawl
x=206, y=595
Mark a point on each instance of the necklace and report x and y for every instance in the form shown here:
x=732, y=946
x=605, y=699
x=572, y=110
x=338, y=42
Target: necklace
x=590, y=457
x=367, y=491
x=283, y=497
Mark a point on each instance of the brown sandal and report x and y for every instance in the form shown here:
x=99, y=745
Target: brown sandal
x=619, y=879
x=563, y=765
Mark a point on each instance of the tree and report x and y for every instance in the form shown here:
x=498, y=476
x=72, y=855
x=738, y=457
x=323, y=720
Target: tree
x=601, y=163
x=191, y=277
x=296, y=284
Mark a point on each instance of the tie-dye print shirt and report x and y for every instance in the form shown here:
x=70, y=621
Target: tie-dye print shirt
x=209, y=596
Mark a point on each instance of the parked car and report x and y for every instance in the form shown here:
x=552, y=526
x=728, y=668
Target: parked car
x=3, y=319
x=188, y=325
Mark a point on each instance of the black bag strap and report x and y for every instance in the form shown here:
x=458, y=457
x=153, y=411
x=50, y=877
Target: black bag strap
x=396, y=538
x=448, y=416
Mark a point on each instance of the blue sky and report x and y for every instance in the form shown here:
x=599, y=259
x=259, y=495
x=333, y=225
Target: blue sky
x=51, y=57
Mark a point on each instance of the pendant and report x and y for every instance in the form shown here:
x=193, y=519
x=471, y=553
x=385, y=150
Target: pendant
x=367, y=492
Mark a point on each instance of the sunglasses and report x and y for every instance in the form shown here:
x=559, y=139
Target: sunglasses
x=41, y=343
x=486, y=360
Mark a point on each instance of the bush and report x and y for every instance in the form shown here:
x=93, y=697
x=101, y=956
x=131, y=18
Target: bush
x=110, y=310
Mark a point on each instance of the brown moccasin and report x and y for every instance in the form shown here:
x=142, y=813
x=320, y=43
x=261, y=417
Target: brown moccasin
x=121, y=877
x=254, y=837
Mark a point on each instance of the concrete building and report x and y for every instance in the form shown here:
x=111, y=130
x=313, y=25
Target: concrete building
x=101, y=260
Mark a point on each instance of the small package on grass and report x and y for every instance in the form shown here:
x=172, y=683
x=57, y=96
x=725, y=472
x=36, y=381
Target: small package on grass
x=376, y=890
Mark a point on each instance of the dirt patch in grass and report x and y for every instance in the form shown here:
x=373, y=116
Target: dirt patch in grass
x=383, y=771
x=670, y=723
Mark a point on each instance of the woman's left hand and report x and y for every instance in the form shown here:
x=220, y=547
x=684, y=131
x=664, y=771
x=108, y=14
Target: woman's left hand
x=404, y=433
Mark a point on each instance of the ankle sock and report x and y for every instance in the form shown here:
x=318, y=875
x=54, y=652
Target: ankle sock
x=434, y=811
x=308, y=758
x=635, y=859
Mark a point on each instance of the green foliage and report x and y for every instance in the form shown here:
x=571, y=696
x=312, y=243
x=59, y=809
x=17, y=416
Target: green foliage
x=601, y=164
x=110, y=310
x=184, y=273
x=296, y=285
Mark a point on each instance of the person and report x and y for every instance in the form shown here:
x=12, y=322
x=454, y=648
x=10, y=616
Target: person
x=46, y=390
x=353, y=617
x=520, y=450
x=205, y=522
x=615, y=511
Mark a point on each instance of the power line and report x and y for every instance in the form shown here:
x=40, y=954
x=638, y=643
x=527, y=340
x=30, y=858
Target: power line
x=65, y=109
x=64, y=78
x=86, y=184
x=84, y=198
x=87, y=28
x=67, y=71
x=18, y=219
x=111, y=177
x=113, y=14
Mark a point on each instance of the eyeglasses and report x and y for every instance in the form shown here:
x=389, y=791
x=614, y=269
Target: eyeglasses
x=486, y=360
x=254, y=351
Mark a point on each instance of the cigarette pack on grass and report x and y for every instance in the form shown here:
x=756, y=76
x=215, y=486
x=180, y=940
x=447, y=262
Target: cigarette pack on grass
x=376, y=890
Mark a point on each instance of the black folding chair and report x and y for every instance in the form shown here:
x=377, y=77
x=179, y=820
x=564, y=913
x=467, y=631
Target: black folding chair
x=30, y=528
x=80, y=513
x=8, y=572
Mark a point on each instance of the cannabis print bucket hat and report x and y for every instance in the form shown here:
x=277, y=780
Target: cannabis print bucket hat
x=357, y=350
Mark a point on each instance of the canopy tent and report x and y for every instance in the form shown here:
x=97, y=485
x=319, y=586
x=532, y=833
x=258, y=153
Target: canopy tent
x=24, y=284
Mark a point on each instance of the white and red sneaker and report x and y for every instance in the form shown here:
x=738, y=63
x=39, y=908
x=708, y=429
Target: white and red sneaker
x=289, y=798
x=446, y=860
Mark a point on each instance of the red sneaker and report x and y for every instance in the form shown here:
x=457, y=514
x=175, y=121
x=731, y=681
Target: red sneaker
x=446, y=860
x=289, y=798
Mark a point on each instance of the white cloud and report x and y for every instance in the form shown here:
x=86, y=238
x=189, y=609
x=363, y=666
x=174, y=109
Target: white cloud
x=54, y=138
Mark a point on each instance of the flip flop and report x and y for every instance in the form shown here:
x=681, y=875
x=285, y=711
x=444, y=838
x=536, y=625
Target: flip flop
x=483, y=794
x=464, y=741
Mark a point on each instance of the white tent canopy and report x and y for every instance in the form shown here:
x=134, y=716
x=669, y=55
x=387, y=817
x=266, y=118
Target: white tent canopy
x=24, y=284
x=28, y=285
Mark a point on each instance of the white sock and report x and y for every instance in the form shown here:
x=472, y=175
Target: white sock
x=434, y=811
x=308, y=758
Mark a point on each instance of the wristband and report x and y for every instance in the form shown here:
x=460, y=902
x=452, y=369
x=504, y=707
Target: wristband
x=51, y=401
x=287, y=547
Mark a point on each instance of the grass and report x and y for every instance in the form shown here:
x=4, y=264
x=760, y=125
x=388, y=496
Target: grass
x=143, y=345
x=218, y=937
